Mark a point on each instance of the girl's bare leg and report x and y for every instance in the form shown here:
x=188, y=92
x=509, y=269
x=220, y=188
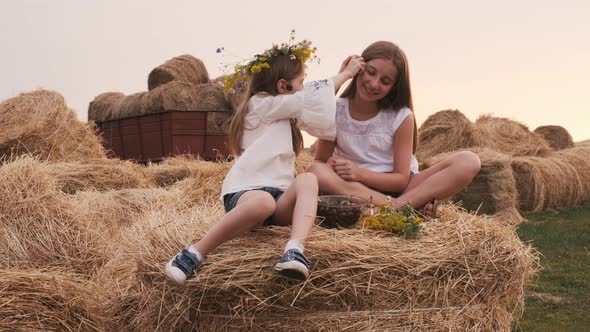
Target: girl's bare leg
x=251, y=210
x=298, y=205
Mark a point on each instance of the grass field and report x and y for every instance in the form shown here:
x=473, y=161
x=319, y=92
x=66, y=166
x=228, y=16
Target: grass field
x=559, y=299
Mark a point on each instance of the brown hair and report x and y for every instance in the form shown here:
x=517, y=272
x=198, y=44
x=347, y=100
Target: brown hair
x=400, y=94
x=265, y=81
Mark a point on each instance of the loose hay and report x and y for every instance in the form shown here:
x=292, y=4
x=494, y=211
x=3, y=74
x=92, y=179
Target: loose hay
x=559, y=181
x=185, y=68
x=98, y=174
x=556, y=136
x=493, y=190
x=40, y=123
x=38, y=227
x=33, y=300
x=464, y=273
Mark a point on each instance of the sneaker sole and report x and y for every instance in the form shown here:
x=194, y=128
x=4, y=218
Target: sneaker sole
x=174, y=274
x=292, y=270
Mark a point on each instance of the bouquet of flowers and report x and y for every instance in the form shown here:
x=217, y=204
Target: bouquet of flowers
x=402, y=221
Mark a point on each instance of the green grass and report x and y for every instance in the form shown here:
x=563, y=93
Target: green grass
x=559, y=299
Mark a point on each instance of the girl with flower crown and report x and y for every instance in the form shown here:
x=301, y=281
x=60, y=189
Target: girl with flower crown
x=260, y=189
x=372, y=155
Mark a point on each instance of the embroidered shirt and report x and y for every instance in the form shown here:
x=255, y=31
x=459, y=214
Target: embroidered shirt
x=268, y=159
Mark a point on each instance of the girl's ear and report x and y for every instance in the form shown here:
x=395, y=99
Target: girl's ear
x=282, y=86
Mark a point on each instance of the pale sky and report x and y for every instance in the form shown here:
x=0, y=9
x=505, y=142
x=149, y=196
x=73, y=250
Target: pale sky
x=526, y=60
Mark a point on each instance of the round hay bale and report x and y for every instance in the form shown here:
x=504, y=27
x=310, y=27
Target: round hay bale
x=104, y=106
x=510, y=137
x=47, y=301
x=556, y=136
x=359, y=278
x=529, y=184
x=98, y=174
x=40, y=123
x=185, y=68
x=558, y=181
x=493, y=190
x=132, y=105
x=445, y=131
x=180, y=96
x=39, y=227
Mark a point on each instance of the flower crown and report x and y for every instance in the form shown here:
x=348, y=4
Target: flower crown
x=242, y=71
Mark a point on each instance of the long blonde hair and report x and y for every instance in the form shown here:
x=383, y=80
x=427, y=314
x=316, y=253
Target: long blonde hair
x=265, y=81
x=400, y=94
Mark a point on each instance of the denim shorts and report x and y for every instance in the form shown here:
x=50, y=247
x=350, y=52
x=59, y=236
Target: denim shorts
x=230, y=200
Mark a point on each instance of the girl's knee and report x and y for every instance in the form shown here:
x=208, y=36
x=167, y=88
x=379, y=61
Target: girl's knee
x=307, y=179
x=470, y=162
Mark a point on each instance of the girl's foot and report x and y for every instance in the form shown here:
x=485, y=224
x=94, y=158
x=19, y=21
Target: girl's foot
x=182, y=267
x=429, y=210
x=293, y=265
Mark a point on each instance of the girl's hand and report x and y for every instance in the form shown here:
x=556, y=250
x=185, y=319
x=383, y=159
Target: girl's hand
x=346, y=169
x=352, y=65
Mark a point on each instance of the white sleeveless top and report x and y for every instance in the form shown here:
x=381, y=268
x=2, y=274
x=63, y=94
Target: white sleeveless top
x=369, y=144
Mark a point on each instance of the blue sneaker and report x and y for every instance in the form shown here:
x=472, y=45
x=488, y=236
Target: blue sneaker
x=182, y=267
x=293, y=265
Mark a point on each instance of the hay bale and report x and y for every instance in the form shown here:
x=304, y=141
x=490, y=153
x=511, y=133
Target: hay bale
x=463, y=273
x=493, y=190
x=510, y=137
x=174, y=96
x=47, y=301
x=98, y=174
x=104, y=106
x=39, y=228
x=582, y=143
x=40, y=123
x=185, y=68
x=180, y=96
x=557, y=137
x=558, y=181
x=445, y=131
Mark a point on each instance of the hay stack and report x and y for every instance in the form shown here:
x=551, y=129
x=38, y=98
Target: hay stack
x=493, y=190
x=40, y=123
x=47, y=301
x=39, y=228
x=556, y=136
x=104, y=106
x=445, y=131
x=185, y=68
x=463, y=273
x=98, y=174
x=174, y=96
x=559, y=181
x=510, y=137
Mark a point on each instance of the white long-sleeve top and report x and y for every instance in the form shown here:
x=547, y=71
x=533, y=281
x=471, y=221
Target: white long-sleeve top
x=268, y=159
